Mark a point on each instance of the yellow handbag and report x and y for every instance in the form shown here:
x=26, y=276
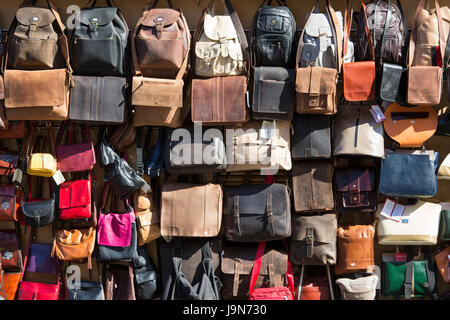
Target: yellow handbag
x=41, y=164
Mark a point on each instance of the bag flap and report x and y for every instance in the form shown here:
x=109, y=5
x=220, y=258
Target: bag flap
x=355, y=180
x=75, y=236
x=8, y=238
x=145, y=277
x=210, y=50
x=253, y=199
x=166, y=17
x=273, y=20
x=245, y=258
x=316, y=81
x=40, y=161
x=323, y=226
x=8, y=190
x=357, y=231
x=32, y=15
x=219, y=27
x=318, y=25
x=99, y=16
x=38, y=208
x=359, y=285
x=74, y=194
x=148, y=219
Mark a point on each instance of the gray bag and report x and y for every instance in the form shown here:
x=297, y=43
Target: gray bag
x=364, y=288
x=313, y=240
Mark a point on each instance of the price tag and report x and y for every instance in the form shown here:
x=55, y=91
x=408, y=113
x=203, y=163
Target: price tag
x=267, y=130
x=393, y=210
x=377, y=114
x=145, y=188
x=17, y=176
x=58, y=177
x=400, y=256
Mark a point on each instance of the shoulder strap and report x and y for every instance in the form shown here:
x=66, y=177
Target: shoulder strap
x=409, y=271
x=348, y=18
x=366, y=28
x=256, y=266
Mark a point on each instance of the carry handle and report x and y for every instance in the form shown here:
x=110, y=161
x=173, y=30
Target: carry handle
x=348, y=18
x=109, y=3
x=413, y=36
x=152, y=4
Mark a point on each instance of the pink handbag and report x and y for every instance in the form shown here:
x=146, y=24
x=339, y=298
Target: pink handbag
x=74, y=157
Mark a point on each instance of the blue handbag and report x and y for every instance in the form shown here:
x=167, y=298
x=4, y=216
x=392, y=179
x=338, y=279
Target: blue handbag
x=409, y=174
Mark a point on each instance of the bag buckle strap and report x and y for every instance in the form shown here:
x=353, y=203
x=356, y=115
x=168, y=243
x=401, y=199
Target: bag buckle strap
x=309, y=242
x=269, y=213
x=236, y=213
x=93, y=25
x=355, y=192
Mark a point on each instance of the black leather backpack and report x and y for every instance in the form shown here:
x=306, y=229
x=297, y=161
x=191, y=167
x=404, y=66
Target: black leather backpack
x=98, y=46
x=273, y=35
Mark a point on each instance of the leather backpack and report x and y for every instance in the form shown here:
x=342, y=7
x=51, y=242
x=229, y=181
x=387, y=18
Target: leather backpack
x=273, y=35
x=98, y=46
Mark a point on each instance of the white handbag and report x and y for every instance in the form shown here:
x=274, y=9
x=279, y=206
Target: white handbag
x=364, y=288
x=444, y=169
x=418, y=225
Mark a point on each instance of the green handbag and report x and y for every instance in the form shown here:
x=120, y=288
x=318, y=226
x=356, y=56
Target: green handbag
x=397, y=276
x=445, y=225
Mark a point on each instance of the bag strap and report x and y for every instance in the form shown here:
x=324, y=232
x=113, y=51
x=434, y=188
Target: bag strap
x=348, y=18
x=409, y=270
x=154, y=3
x=109, y=3
x=413, y=36
x=366, y=28
x=137, y=68
x=431, y=276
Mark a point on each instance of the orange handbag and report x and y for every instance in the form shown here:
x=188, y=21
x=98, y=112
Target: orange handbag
x=358, y=77
x=443, y=263
x=410, y=127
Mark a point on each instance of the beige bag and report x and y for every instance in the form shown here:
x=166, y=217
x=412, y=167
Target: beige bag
x=218, y=51
x=147, y=220
x=444, y=169
x=428, y=32
x=364, y=288
x=189, y=210
x=256, y=145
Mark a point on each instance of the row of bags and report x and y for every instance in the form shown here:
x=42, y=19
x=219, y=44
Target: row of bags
x=222, y=57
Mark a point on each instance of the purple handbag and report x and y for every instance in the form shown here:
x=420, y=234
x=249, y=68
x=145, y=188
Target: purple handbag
x=40, y=259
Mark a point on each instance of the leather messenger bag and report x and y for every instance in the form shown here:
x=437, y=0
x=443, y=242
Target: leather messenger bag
x=158, y=101
x=38, y=94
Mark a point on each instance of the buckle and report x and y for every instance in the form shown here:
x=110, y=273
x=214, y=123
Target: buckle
x=235, y=212
x=310, y=239
x=33, y=27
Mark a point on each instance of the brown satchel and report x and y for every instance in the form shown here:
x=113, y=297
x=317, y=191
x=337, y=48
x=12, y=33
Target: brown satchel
x=189, y=210
x=158, y=101
x=358, y=77
x=38, y=94
x=443, y=263
x=221, y=100
x=426, y=92
x=316, y=87
x=74, y=245
x=355, y=249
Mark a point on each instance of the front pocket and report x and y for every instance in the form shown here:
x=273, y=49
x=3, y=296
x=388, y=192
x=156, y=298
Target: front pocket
x=97, y=57
x=160, y=58
x=273, y=53
x=274, y=97
x=33, y=54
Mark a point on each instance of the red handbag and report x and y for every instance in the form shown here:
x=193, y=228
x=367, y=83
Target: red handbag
x=74, y=157
x=277, y=293
x=75, y=200
x=30, y=290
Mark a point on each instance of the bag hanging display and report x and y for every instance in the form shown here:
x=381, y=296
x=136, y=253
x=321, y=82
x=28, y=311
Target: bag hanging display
x=272, y=293
x=74, y=245
x=361, y=288
x=410, y=127
x=358, y=77
x=98, y=45
x=37, y=94
x=408, y=278
x=10, y=251
x=315, y=86
x=418, y=225
x=397, y=180
x=256, y=213
x=39, y=163
x=428, y=34
x=189, y=210
x=74, y=201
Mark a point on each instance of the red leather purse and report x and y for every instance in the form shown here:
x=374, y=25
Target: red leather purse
x=75, y=200
x=74, y=157
x=277, y=293
x=30, y=290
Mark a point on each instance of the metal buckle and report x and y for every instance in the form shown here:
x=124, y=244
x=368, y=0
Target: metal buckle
x=33, y=27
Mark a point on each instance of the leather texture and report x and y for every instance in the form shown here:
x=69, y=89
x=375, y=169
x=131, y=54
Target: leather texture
x=419, y=225
x=115, y=229
x=393, y=82
x=355, y=249
x=29, y=95
x=313, y=240
x=250, y=150
x=75, y=157
x=407, y=173
x=98, y=46
x=273, y=36
x=111, y=253
x=359, y=81
x=184, y=205
x=255, y=213
x=312, y=186
x=442, y=264
x=355, y=190
x=39, y=213
x=363, y=288
x=74, y=201
x=75, y=244
x=273, y=93
x=7, y=203
x=119, y=282
x=42, y=165
x=356, y=133
x=98, y=99
x=237, y=264
x=219, y=100
x=424, y=93
x=181, y=152
x=316, y=90
x=444, y=231
x=123, y=179
x=312, y=137
x=10, y=251
x=404, y=125
x=14, y=130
